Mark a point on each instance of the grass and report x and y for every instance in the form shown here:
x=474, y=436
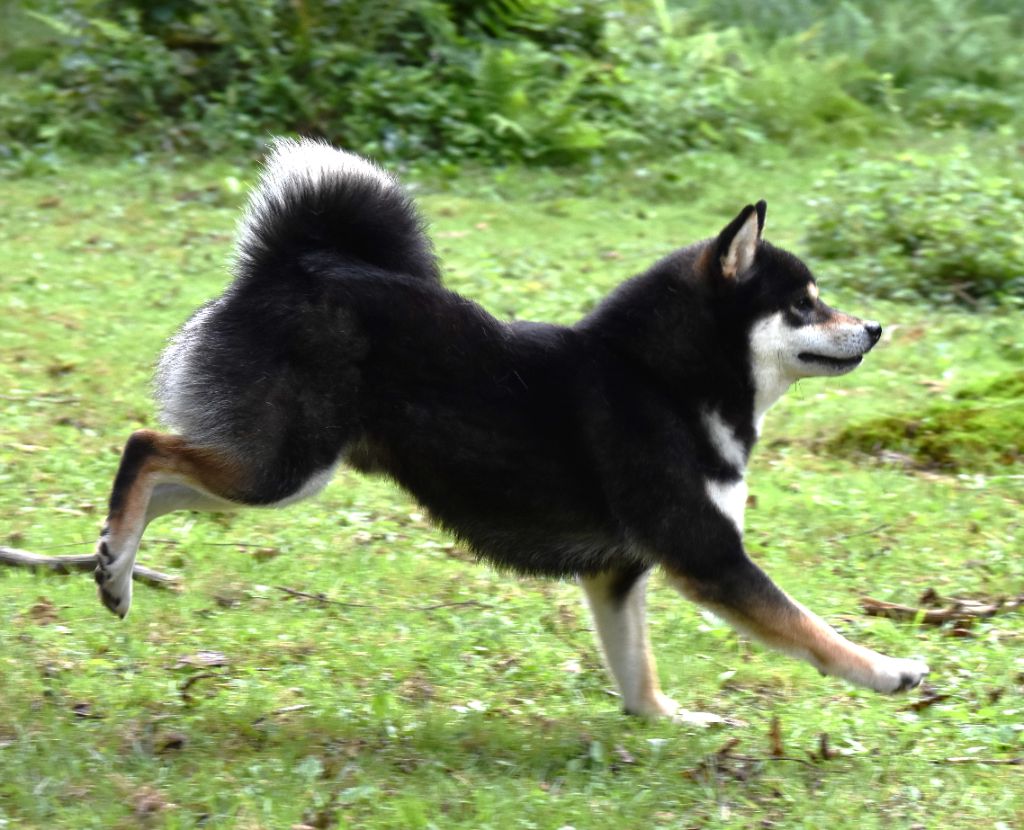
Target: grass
x=235, y=704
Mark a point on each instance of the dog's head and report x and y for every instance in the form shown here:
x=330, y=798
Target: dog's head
x=791, y=333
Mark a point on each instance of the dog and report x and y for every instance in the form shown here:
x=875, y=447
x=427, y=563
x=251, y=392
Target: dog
x=596, y=451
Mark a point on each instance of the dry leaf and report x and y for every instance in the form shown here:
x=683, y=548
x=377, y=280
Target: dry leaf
x=170, y=741
x=42, y=612
x=927, y=699
x=147, y=801
x=775, y=748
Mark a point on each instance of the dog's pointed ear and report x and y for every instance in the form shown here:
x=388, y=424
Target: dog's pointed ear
x=736, y=245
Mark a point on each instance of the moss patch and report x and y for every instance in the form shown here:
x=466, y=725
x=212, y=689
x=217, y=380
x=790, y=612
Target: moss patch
x=980, y=428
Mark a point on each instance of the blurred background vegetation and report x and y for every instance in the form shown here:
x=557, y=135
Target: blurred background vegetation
x=499, y=80
x=594, y=84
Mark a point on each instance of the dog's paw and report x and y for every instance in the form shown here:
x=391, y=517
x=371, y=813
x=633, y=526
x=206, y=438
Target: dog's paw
x=894, y=674
x=113, y=579
x=654, y=705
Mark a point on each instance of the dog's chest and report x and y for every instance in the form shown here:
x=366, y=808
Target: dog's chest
x=728, y=493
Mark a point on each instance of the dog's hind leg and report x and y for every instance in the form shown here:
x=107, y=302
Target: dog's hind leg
x=743, y=595
x=158, y=473
x=617, y=601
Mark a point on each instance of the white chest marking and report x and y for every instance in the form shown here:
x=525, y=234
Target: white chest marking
x=730, y=498
x=727, y=445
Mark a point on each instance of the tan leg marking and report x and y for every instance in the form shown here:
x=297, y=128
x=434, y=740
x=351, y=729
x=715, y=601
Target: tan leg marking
x=158, y=473
x=784, y=624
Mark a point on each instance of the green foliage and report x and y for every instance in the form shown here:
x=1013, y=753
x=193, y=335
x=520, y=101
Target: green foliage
x=980, y=429
x=947, y=61
x=399, y=79
x=946, y=227
x=714, y=88
x=533, y=80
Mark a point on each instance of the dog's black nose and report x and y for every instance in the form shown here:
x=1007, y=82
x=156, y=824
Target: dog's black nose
x=874, y=331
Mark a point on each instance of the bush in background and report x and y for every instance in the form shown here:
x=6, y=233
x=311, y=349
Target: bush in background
x=500, y=80
x=947, y=228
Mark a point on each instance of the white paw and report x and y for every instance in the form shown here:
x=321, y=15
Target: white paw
x=660, y=705
x=113, y=577
x=894, y=674
x=654, y=705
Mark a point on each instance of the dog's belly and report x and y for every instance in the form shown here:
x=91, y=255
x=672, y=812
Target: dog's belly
x=552, y=553
x=521, y=505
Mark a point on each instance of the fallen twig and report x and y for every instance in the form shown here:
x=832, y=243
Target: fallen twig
x=741, y=766
x=466, y=603
x=39, y=399
x=959, y=610
x=81, y=562
x=870, y=531
x=184, y=688
x=322, y=598
x=1010, y=762
x=326, y=600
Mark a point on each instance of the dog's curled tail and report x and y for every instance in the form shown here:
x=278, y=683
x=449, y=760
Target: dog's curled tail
x=315, y=199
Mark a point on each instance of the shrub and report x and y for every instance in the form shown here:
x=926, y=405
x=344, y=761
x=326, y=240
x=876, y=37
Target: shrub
x=404, y=78
x=499, y=80
x=942, y=227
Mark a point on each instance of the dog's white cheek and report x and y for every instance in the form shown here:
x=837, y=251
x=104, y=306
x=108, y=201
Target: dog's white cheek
x=770, y=349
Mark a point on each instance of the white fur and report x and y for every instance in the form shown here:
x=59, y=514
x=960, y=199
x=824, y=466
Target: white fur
x=730, y=497
x=310, y=487
x=177, y=408
x=776, y=346
x=889, y=674
x=294, y=166
x=729, y=448
x=839, y=340
x=770, y=356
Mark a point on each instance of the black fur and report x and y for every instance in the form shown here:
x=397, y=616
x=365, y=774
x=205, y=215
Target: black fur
x=554, y=450
x=136, y=451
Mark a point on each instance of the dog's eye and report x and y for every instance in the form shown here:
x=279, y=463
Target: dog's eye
x=805, y=303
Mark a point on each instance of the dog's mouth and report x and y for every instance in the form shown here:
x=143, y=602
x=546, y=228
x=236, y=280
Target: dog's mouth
x=836, y=364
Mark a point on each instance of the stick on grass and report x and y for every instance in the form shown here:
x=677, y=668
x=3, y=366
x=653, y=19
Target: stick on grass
x=80, y=562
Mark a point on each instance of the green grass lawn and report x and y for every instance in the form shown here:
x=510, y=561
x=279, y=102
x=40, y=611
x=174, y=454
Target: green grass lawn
x=433, y=692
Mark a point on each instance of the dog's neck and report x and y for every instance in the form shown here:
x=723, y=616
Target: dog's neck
x=770, y=384
x=734, y=429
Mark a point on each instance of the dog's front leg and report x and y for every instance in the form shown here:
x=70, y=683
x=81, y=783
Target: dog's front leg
x=743, y=595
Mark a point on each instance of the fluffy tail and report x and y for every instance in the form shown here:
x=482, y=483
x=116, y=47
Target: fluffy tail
x=313, y=198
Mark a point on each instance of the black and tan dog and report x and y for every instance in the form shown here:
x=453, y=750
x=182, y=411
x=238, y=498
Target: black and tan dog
x=598, y=451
